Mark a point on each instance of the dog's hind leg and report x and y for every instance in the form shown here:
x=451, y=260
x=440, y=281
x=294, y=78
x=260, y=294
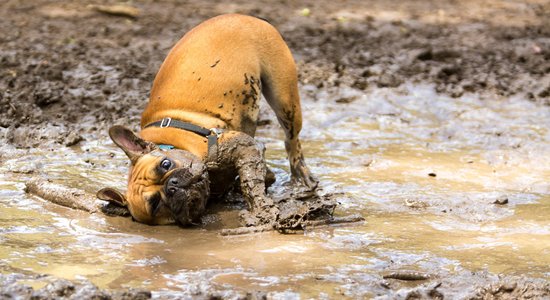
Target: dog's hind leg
x=280, y=88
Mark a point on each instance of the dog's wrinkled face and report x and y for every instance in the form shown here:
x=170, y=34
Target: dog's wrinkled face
x=164, y=186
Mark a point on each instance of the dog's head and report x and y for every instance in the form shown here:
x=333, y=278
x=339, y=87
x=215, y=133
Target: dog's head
x=164, y=186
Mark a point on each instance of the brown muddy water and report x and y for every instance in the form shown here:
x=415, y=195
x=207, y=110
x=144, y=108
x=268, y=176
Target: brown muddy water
x=423, y=169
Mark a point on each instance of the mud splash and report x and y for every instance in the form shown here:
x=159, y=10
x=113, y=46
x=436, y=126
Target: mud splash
x=425, y=177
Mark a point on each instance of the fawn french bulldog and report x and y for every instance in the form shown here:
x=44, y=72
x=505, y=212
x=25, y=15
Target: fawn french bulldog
x=198, y=127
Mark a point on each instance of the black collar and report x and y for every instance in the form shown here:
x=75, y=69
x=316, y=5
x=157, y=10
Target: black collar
x=211, y=134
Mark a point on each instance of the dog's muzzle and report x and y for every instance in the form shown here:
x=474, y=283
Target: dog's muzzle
x=180, y=179
x=187, y=192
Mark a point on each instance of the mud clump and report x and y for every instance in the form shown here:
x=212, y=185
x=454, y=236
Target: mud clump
x=514, y=288
x=239, y=154
x=295, y=214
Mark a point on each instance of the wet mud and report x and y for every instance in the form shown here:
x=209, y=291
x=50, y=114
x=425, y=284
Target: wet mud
x=68, y=69
x=240, y=156
x=427, y=119
x=63, y=289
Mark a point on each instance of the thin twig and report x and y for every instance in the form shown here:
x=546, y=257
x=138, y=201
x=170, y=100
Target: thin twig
x=333, y=221
x=246, y=230
x=306, y=224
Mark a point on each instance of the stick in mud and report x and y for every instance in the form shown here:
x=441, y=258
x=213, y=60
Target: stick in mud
x=333, y=221
x=62, y=195
x=305, y=225
x=246, y=230
x=407, y=275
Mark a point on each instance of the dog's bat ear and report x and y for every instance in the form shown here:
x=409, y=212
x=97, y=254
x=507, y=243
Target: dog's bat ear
x=113, y=196
x=131, y=144
x=117, y=206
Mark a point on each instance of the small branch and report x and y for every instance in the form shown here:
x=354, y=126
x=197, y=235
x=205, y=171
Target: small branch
x=332, y=221
x=246, y=230
x=309, y=224
x=62, y=195
x=300, y=227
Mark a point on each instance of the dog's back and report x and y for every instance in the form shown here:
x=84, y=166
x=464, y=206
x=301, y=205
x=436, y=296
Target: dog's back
x=213, y=76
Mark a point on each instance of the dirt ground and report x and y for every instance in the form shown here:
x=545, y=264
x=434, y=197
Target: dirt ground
x=68, y=71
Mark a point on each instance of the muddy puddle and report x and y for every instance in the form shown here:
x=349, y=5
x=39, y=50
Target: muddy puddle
x=423, y=169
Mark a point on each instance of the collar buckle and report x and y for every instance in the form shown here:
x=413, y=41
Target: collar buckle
x=216, y=131
x=165, y=122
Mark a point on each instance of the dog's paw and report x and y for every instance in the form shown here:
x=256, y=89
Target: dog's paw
x=302, y=176
x=303, y=190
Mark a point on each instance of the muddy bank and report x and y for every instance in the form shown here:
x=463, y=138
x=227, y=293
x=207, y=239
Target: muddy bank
x=68, y=69
x=484, y=287
x=61, y=289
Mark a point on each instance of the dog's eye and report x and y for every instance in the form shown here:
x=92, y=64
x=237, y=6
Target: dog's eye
x=165, y=164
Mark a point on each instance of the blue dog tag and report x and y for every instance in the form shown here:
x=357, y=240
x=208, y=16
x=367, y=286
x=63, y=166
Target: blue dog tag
x=166, y=147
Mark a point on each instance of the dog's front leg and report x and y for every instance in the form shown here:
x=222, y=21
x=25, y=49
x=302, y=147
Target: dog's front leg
x=248, y=160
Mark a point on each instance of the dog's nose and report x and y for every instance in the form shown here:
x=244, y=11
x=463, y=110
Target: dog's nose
x=172, y=186
x=173, y=181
